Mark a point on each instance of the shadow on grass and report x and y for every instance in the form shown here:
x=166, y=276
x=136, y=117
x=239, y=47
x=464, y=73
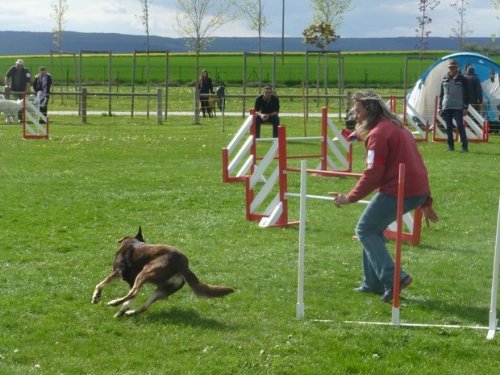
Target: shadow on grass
x=452, y=312
x=444, y=249
x=186, y=317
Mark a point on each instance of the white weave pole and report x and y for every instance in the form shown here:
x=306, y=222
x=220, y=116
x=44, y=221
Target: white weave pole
x=494, y=283
x=302, y=234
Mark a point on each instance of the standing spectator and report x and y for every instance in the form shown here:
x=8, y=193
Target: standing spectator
x=41, y=85
x=267, y=108
x=453, y=103
x=388, y=143
x=17, y=81
x=474, y=89
x=205, y=87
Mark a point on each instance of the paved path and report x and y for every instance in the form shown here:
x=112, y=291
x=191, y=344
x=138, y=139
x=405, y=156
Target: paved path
x=175, y=113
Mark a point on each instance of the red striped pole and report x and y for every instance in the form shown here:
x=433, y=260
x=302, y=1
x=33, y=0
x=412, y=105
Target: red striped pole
x=324, y=135
x=282, y=177
x=253, y=131
x=225, y=163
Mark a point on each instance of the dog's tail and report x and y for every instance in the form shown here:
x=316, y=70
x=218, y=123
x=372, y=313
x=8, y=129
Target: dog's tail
x=205, y=290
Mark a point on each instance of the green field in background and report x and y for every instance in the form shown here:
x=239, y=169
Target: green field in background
x=377, y=69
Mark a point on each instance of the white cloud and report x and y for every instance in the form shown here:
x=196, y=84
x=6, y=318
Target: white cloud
x=367, y=18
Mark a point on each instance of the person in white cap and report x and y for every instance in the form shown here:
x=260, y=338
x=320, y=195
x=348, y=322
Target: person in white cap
x=17, y=81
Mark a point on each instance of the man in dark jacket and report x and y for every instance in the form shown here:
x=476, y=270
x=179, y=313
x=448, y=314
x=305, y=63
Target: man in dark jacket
x=474, y=89
x=453, y=103
x=17, y=80
x=42, y=85
x=267, y=108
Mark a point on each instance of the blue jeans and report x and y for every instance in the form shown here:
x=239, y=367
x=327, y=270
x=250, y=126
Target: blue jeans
x=457, y=114
x=378, y=266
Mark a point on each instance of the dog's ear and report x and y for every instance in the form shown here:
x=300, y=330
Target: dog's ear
x=138, y=236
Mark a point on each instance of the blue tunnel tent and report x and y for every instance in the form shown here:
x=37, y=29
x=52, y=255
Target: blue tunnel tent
x=423, y=95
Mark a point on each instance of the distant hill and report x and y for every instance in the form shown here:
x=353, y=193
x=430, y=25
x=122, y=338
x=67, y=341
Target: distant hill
x=32, y=43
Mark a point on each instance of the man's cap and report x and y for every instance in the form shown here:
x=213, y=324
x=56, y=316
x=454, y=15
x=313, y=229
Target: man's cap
x=452, y=63
x=43, y=68
x=19, y=62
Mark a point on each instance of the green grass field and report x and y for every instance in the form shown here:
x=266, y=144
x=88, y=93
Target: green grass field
x=65, y=202
x=378, y=69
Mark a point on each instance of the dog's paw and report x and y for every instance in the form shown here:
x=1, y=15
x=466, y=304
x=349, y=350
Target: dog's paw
x=121, y=312
x=96, y=298
x=114, y=302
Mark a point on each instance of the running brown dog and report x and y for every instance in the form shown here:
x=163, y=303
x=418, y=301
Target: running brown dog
x=165, y=266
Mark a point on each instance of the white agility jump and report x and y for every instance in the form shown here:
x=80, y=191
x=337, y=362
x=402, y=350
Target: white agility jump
x=276, y=212
x=239, y=158
x=395, y=317
x=476, y=127
x=35, y=123
x=412, y=120
x=302, y=224
x=267, y=183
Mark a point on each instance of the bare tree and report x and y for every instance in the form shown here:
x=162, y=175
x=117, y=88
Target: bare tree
x=496, y=7
x=256, y=19
x=283, y=32
x=424, y=7
x=461, y=31
x=145, y=5
x=197, y=21
x=328, y=15
x=330, y=11
x=59, y=8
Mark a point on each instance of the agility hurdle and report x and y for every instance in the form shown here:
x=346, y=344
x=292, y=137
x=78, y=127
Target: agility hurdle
x=395, y=312
x=265, y=187
x=276, y=213
x=240, y=158
x=492, y=316
x=35, y=123
x=492, y=326
x=415, y=122
x=303, y=196
x=476, y=127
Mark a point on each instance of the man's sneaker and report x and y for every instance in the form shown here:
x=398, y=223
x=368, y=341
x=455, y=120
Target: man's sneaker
x=388, y=294
x=464, y=150
x=364, y=289
x=450, y=149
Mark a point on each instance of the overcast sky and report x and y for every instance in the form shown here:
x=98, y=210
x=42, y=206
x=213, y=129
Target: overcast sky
x=367, y=18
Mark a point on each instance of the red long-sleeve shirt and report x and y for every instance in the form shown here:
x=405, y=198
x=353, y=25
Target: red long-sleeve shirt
x=386, y=146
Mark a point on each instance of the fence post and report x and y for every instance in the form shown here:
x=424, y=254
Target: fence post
x=159, y=109
x=83, y=101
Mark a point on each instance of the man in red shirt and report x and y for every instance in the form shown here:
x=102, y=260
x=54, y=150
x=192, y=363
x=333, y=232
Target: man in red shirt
x=388, y=144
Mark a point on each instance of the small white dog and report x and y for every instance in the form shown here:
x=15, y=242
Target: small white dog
x=10, y=109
